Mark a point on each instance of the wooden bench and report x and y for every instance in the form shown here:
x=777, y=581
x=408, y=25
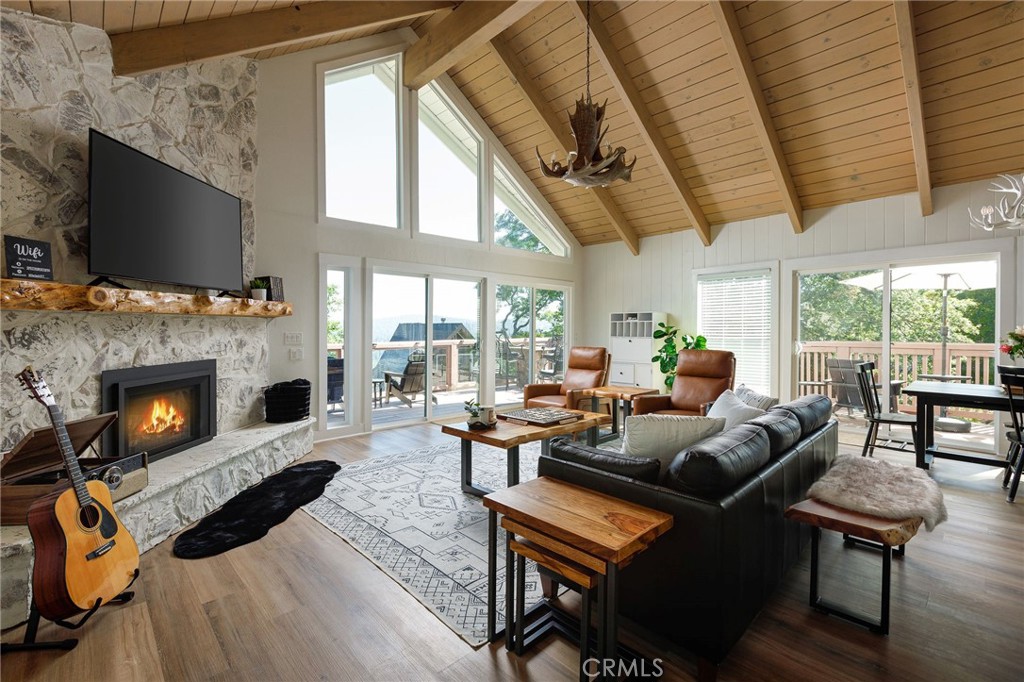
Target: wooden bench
x=861, y=529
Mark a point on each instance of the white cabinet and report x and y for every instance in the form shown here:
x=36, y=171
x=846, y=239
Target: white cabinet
x=632, y=346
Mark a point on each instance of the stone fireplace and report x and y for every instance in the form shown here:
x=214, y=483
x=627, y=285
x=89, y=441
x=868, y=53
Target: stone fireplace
x=162, y=409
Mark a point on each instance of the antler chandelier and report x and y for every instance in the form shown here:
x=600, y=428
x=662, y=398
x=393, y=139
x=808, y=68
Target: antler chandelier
x=1008, y=212
x=587, y=166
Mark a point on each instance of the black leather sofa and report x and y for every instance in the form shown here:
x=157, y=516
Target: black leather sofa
x=701, y=584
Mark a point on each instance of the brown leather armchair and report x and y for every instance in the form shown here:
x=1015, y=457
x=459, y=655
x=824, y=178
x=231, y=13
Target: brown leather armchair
x=587, y=368
x=701, y=376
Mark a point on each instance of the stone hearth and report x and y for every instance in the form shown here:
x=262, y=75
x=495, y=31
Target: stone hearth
x=182, y=489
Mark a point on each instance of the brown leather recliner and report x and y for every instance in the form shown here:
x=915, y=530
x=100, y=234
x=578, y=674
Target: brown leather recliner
x=588, y=368
x=701, y=376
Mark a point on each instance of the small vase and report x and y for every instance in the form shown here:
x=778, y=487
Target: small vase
x=258, y=294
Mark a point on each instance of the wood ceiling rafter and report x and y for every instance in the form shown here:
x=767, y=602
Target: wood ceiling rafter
x=915, y=109
x=631, y=98
x=739, y=55
x=468, y=28
x=171, y=46
x=531, y=93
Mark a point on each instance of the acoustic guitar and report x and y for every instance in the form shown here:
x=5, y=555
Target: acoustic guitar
x=84, y=556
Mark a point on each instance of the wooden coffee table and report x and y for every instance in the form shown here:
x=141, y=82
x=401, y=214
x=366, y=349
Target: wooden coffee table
x=584, y=536
x=618, y=395
x=509, y=437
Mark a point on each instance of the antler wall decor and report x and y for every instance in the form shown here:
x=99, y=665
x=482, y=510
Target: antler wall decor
x=1008, y=212
x=587, y=166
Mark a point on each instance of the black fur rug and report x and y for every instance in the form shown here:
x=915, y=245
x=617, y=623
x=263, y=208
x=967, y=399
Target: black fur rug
x=250, y=514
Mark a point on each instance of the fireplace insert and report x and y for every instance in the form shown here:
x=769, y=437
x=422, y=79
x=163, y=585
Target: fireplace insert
x=162, y=409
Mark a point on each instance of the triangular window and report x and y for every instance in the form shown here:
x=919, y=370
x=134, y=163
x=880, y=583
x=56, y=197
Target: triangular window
x=518, y=224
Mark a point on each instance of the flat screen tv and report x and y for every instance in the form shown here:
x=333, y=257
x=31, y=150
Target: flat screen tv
x=152, y=222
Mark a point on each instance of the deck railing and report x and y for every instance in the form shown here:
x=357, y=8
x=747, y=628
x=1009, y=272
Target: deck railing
x=974, y=361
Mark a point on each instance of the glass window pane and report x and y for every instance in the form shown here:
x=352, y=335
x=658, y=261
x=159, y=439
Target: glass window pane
x=550, y=325
x=518, y=224
x=456, y=344
x=337, y=415
x=734, y=312
x=514, y=326
x=449, y=196
x=399, y=348
x=361, y=143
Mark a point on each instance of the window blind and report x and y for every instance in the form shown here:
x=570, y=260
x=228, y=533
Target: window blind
x=734, y=313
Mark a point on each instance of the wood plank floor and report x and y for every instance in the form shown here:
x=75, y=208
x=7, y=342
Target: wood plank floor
x=300, y=604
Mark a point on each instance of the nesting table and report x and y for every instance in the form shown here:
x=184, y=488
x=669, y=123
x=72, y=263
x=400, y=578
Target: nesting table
x=584, y=536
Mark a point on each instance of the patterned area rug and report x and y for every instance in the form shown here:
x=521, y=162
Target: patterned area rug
x=408, y=515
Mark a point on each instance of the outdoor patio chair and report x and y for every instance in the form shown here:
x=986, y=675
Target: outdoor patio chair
x=1012, y=379
x=411, y=381
x=843, y=380
x=876, y=417
x=335, y=380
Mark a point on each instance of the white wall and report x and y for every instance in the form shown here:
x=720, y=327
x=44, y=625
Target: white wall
x=290, y=239
x=662, y=278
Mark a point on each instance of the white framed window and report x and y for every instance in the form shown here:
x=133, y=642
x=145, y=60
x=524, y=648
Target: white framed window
x=361, y=114
x=518, y=223
x=448, y=177
x=734, y=312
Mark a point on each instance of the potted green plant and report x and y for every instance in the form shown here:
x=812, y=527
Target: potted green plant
x=258, y=289
x=668, y=353
x=479, y=417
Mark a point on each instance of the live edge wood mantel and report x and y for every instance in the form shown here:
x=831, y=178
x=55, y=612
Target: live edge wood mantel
x=54, y=296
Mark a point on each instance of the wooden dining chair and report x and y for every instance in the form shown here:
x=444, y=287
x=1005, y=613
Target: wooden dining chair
x=1012, y=379
x=876, y=417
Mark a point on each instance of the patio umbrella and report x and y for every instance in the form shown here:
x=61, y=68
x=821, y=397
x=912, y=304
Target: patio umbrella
x=945, y=277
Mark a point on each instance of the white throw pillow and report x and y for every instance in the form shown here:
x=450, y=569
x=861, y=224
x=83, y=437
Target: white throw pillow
x=734, y=410
x=755, y=399
x=665, y=435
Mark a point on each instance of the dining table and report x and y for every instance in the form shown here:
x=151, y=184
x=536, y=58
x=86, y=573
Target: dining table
x=932, y=394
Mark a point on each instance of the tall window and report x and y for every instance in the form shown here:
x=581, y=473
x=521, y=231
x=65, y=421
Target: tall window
x=361, y=123
x=518, y=224
x=449, y=165
x=734, y=313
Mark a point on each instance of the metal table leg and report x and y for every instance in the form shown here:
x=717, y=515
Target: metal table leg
x=492, y=571
x=468, y=486
x=509, y=587
x=512, y=455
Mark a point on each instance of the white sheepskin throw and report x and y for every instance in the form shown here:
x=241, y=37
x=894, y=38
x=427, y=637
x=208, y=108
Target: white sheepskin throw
x=877, y=488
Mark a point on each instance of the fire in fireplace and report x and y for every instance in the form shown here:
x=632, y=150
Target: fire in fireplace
x=162, y=409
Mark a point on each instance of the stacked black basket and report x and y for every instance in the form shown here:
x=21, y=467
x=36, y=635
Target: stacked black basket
x=287, y=401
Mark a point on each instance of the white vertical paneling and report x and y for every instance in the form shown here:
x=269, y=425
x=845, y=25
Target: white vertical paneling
x=874, y=225
x=856, y=235
x=839, y=225
x=894, y=223
x=913, y=225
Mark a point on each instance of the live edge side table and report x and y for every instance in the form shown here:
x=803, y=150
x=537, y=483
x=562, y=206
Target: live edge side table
x=619, y=395
x=584, y=536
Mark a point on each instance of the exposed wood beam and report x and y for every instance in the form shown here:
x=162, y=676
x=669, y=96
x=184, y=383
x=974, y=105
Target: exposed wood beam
x=531, y=94
x=171, y=46
x=623, y=83
x=463, y=32
x=915, y=112
x=739, y=56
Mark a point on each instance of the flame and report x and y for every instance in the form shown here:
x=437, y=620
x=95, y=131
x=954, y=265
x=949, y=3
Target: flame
x=162, y=417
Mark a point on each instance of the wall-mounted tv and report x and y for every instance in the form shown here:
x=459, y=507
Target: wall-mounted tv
x=152, y=222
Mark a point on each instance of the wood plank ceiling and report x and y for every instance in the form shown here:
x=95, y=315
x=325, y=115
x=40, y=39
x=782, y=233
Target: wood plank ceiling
x=734, y=111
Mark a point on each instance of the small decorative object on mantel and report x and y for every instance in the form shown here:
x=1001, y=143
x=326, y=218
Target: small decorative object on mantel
x=587, y=166
x=258, y=289
x=28, y=258
x=1008, y=212
x=275, y=287
x=480, y=418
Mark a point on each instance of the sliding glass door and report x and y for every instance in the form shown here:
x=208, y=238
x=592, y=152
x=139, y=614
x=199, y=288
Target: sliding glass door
x=456, y=344
x=399, y=377
x=529, y=339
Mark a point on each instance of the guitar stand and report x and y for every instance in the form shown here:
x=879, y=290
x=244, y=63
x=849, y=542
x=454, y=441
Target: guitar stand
x=30, y=643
